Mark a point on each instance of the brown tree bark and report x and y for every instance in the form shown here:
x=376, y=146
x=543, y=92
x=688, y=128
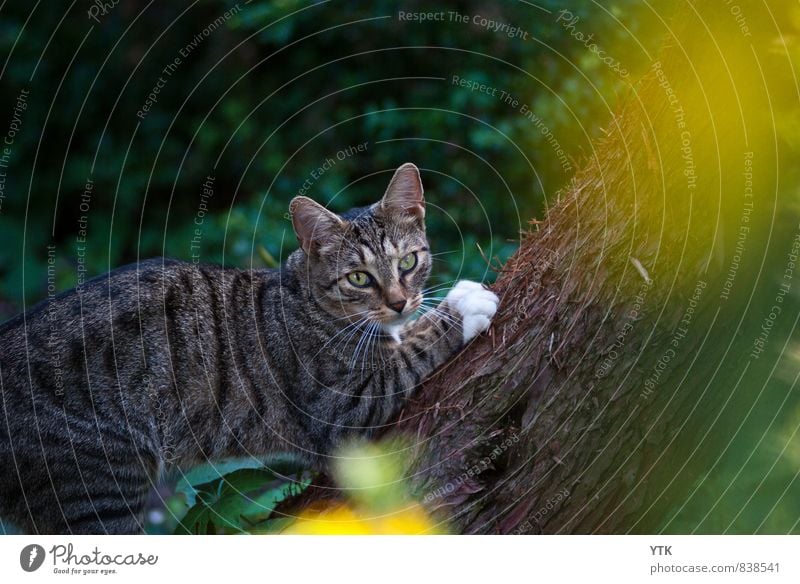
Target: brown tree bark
x=577, y=411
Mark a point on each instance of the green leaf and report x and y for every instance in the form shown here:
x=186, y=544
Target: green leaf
x=278, y=465
x=263, y=505
x=206, y=473
x=242, y=498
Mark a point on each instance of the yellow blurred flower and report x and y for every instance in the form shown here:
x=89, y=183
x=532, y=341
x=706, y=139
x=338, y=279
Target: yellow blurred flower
x=344, y=520
x=371, y=475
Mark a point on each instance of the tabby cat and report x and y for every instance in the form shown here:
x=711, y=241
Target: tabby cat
x=165, y=362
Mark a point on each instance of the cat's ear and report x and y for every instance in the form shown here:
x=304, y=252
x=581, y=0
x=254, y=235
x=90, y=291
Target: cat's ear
x=403, y=197
x=313, y=224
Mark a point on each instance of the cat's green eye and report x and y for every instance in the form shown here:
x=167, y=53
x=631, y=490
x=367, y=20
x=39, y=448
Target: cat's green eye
x=359, y=279
x=408, y=262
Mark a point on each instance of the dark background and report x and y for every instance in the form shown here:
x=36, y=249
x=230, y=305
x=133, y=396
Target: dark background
x=266, y=98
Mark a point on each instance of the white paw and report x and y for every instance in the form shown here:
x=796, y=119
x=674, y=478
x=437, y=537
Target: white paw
x=475, y=304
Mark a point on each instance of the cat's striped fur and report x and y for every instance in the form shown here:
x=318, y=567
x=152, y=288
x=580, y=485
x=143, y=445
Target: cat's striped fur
x=168, y=362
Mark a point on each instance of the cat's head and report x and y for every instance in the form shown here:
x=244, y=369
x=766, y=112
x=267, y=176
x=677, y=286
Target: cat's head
x=371, y=262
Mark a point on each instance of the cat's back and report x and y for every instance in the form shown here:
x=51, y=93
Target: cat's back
x=115, y=325
x=119, y=296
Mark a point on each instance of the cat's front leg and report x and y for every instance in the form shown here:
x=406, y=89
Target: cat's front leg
x=432, y=340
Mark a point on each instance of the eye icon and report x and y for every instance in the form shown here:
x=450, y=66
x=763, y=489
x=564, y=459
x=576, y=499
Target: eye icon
x=31, y=557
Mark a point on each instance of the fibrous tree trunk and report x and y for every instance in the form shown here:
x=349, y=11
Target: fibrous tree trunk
x=580, y=408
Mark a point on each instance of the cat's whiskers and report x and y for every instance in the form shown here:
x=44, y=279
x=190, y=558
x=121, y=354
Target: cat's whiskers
x=372, y=334
x=438, y=287
x=379, y=346
x=373, y=342
x=354, y=326
x=354, y=357
x=438, y=324
x=353, y=334
x=359, y=346
x=368, y=348
x=440, y=313
x=442, y=284
x=346, y=316
x=432, y=301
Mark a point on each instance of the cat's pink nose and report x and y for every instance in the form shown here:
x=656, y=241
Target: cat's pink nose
x=397, y=306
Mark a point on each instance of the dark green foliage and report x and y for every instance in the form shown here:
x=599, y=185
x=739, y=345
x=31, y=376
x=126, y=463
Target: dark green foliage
x=261, y=103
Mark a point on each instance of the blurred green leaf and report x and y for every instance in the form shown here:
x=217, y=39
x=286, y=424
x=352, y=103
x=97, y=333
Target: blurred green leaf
x=237, y=495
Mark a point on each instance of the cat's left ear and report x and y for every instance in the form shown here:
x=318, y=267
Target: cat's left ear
x=313, y=224
x=403, y=197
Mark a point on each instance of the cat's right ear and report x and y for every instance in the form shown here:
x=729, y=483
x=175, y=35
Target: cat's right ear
x=313, y=224
x=404, y=196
